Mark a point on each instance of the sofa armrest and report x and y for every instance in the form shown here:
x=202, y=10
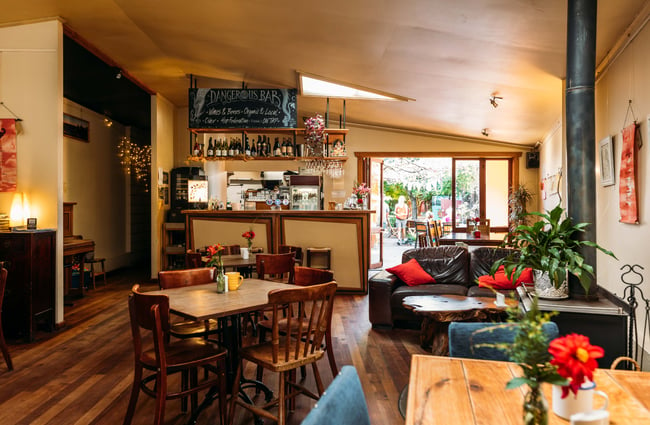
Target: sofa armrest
x=380, y=288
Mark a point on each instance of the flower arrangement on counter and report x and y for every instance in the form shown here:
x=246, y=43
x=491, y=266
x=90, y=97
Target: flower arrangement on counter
x=249, y=236
x=360, y=191
x=315, y=134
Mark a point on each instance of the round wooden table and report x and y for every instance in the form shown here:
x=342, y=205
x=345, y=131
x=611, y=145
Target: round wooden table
x=440, y=310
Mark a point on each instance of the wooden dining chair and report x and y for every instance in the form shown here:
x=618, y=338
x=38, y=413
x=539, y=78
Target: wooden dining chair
x=285, y=353
x=304, y=276
x=3, y=343
x=169, y=279
x=193, y=260
x=231, y=250
x=483, y=226
x=283, y=249
x=151, y=313
x=277, y=267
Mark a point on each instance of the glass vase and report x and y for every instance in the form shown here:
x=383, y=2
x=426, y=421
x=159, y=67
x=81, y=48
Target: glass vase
x=220, y=279
x=535, y=407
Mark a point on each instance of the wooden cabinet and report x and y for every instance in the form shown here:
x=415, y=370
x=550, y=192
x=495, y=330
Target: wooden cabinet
x=30, y=292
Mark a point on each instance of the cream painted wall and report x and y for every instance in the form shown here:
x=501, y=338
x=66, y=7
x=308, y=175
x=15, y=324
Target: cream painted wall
x=162, y=157
x=552, y=160
x=31, y=84
x=627, y=78
x=94, y=179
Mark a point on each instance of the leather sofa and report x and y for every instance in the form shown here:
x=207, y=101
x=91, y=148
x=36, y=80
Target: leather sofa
x=454, y=268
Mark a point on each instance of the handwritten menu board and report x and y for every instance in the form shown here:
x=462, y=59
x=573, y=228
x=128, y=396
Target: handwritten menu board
x=242, y=108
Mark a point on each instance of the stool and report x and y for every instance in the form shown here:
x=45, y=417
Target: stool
x=322, y=255
x=90, y=259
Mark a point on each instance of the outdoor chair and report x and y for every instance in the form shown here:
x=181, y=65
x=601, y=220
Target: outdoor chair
x=151, y=313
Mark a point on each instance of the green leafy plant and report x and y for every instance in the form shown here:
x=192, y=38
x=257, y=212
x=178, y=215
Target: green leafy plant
x=549, y=245
x=517, y=200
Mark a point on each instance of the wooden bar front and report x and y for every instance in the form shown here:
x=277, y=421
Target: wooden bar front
x=346, y=232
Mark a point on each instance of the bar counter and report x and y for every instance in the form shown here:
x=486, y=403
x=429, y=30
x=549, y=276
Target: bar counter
x=346, y=232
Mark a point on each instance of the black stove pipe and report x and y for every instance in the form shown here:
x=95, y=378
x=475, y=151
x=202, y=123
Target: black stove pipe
x=580, y=128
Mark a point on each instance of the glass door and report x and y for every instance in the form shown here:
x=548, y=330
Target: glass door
x=467, y=192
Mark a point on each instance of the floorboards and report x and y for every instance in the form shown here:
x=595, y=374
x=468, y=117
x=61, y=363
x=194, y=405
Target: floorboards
x=82, y=373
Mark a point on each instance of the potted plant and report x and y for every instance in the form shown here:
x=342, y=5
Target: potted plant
x=551, y=248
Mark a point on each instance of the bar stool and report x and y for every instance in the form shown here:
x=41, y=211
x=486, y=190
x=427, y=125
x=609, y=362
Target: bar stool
x=323, y=257
x=91, y=260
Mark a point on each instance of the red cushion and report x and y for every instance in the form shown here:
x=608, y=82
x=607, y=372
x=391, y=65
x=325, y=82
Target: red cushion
x=501, y=281
x=411, y=273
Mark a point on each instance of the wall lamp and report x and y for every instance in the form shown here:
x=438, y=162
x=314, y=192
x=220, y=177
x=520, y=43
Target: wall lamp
x=493, y=100
x=485, y=132
x=118, y=73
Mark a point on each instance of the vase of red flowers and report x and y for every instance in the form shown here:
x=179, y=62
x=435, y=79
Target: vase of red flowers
x=214, y=252
x=477, y=232
x=361, y=191
x=249, y=236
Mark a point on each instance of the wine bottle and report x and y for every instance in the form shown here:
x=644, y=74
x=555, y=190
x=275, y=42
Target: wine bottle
x=210, y=152
x=289, y=147
x=247, y=147
x=195, y=151
x=254, y=149
x=284, y=146
x=236, y=149
x=268, y=146
x=263, y=150
x=231, y=148
x=260, y=152
x=224, y=147
x=277, y=150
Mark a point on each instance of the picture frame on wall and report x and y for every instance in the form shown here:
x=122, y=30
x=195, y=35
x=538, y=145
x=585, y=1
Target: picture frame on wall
x=606, y=152
x=76, y=128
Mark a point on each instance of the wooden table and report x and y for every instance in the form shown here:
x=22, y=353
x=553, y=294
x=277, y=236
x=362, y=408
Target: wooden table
x=440, y=310
x=236, y=261
x=73, y=247
x=486, y=239
x=445, y=390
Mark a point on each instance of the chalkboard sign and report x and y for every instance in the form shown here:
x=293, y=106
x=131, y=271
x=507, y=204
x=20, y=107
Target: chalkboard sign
x=242, y=108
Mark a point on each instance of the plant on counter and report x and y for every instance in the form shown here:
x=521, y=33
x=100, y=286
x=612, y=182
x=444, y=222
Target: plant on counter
x=249, y=236
x=550, y=245
x=517, y=200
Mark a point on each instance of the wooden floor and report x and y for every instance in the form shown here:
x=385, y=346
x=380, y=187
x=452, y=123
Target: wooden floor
x=82, y=374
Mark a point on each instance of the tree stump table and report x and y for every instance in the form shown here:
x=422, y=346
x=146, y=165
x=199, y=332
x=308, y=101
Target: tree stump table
x=440, y=310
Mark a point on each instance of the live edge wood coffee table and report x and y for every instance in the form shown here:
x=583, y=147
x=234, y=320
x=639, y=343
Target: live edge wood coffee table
x=440, y=310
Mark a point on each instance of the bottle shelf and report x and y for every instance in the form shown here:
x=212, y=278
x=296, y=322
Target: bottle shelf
x=266, y=158
x=297, y=131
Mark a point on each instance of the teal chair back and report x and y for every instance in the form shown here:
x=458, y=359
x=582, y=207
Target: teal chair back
x=342, y=403
x=465, y=341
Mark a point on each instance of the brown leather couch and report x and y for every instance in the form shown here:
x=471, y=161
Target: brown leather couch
x=454, y=268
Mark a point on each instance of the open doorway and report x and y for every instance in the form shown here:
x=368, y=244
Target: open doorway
x=450, y=189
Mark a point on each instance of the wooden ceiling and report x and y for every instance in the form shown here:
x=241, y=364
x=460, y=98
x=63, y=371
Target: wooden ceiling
x=449, y=56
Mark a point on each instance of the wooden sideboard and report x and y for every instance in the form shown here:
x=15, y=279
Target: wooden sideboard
x=30, y=293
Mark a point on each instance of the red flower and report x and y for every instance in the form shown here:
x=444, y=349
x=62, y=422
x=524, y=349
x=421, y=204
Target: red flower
x=575, y=359
x=477, y=220
x=248, y=235
x=214, y=249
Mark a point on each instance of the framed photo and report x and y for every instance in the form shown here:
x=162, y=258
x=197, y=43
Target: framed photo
x=31, y=223
x=75, y=128
x=165, y=179
x=606, y=151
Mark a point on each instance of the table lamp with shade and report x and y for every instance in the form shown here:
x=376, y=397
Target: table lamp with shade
x=19, y=211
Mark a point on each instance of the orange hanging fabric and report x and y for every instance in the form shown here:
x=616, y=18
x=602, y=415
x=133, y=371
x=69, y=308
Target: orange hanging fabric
x=8, y=157
x=628, y=205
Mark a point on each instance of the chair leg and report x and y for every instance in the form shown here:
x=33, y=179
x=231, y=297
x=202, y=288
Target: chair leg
x=319, y=381
x=194, y=397
x=260, y=370
x=282, y=404
x=235, y=394
x=133, y=400
x=92, y=273
x=330, y=354
x=184, y=387
x=104, y=273
x=161, y=393
x=5, y=350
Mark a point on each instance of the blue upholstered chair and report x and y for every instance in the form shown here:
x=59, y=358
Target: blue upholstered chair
x=466, y=341
x=342, y=403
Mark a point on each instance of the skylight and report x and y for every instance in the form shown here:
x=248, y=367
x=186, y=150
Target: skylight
x=312, y=85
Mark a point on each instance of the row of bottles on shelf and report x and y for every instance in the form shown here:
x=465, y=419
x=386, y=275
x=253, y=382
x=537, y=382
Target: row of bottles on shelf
x=263, y=147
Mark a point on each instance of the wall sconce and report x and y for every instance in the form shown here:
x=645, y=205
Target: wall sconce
x=493, y=100
x=485, y=132
x=19, y=210
x=108, y=122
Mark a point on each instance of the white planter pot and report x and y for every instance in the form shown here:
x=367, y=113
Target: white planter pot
x=545, y=289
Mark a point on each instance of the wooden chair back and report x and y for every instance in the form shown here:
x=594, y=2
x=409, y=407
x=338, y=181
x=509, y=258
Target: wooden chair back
x=193, y=260
x=168, y=279
x=276, y=265
x=3, y=343
x=483, y=225
x=307, y=310
x=231, y=250
x=140, y=311
x=283, y=249
x=435, y=231
x=307, y=276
